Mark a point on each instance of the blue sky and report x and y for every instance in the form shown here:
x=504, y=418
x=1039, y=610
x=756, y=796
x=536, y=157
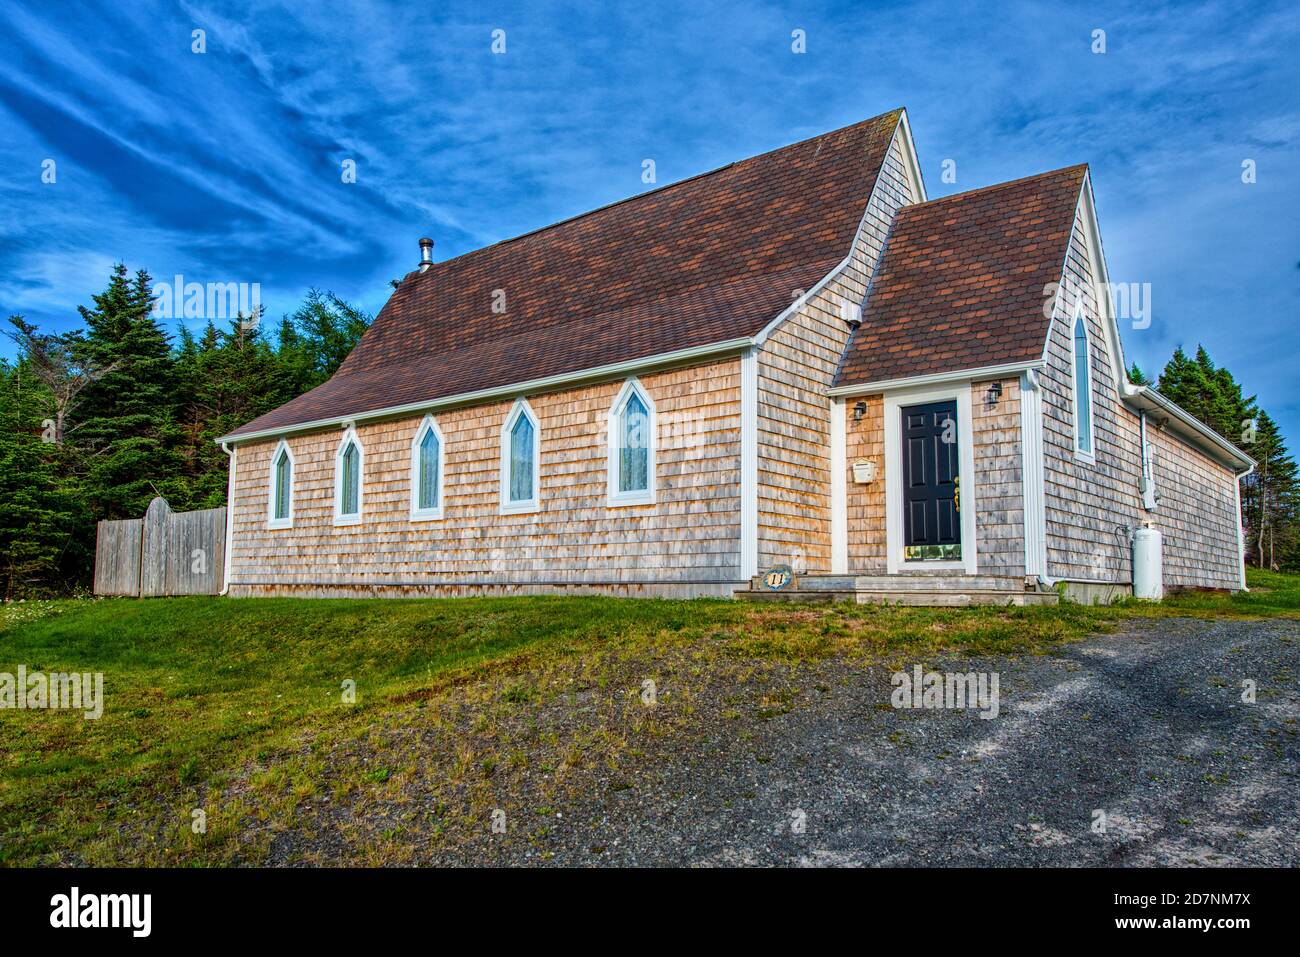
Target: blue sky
x=226, y=166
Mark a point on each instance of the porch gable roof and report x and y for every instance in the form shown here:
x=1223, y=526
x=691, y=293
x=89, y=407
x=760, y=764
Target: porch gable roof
x=963, y=280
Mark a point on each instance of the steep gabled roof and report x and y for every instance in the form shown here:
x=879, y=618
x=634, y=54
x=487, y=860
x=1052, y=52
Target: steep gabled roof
x=703, y=261
x=961, y=282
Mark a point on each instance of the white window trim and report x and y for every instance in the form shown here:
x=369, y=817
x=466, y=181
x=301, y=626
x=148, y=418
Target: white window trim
x=508, y=507
x=894, y=403
x=350, y=435
x=1079, y=453
x=646, y=496
x=427, y=424
x=271, y=520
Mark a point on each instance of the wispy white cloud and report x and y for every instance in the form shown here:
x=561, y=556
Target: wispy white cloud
x=230, y=161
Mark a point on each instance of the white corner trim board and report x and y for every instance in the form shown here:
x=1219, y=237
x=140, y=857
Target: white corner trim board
x=1241, y=535
x=1032, y=475
x=749, y=464
x=894, y=403
x=233, y=452
x=839, y=490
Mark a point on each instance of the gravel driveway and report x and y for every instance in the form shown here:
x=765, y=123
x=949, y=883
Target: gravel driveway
x=1145, y=726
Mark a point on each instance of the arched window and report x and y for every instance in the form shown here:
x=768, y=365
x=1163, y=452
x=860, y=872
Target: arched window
x=349, y=463
x=426, y=471
x=632, y=434
x=1082, y=388
x=280, y=504
x=520, y=455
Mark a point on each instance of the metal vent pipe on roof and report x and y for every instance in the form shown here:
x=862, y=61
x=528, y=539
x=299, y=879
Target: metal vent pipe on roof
x=426, y=253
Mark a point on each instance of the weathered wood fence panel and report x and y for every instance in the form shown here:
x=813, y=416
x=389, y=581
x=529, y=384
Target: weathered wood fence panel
x=164, y=553
x=117, y=558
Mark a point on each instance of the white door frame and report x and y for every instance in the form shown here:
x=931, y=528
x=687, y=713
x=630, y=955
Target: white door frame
x=894, y=402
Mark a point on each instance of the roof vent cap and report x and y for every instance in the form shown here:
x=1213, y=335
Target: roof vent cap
x=426, y=254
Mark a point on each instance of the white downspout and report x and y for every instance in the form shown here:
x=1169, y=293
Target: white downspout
x=1147, y=483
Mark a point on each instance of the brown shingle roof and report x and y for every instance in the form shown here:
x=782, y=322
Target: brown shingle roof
x=702, y=261
x=960, y=284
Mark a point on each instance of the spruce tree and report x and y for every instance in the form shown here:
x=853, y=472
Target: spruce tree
x=140, y=418
x=1271, y=498
x=234, y=381
x=128, y=432
x=42, y=519
x=329, y=327
x=1210, y=394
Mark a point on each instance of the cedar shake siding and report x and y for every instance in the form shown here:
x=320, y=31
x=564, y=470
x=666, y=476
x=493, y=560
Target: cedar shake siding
x=1087, y=502
x=865, y=511
x=689, y=536
x=1091, y=505
x=796, y=367
x=998, y=490
x=1197, y=515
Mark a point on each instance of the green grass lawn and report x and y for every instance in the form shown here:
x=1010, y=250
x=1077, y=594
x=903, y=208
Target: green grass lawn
x=209, y=696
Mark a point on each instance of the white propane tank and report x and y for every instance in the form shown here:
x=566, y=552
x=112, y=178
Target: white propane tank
x=1148, y=566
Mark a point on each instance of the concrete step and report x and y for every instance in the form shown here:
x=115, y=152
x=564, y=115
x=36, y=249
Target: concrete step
x=957, y=599
x=912, y=597
x=912, y=582
x=794, y=595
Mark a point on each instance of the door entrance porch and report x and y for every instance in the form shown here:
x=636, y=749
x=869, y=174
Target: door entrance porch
x=929, y=459
x=931, y=480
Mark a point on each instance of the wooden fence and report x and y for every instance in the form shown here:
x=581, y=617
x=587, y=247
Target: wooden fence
x=164, y=553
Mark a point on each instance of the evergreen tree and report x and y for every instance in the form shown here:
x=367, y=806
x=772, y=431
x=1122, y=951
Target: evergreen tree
x=328, y=327
x=127, y=431
x=296, y=363
x=1271, y=498
x=41, y=514
x=235, y=379
x=1185, y=383
x=139, y=417
x=1208, y=393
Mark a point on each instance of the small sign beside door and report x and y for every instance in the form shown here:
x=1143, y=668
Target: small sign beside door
x=864, y=471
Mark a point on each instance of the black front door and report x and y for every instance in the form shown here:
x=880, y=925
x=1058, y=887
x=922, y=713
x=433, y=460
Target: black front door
x=931, y=482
